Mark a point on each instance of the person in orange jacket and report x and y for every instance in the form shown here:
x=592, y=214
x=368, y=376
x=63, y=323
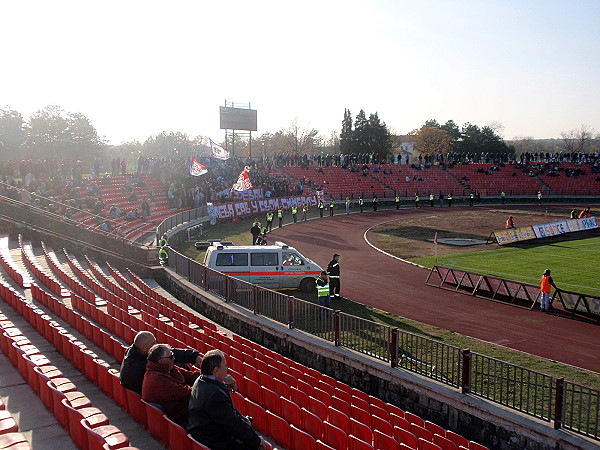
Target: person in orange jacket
x=510, y=223
x=546, y=285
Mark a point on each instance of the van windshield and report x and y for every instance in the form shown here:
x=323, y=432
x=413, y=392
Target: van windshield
x=232, y=259
x=263, y=259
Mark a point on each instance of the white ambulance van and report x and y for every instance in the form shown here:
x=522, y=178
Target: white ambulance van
x=272, y=266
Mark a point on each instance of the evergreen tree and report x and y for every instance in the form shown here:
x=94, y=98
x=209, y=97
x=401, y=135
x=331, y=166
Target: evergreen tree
x=346, y=137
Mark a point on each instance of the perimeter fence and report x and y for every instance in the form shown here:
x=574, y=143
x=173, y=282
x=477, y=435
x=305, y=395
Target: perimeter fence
x=560, y=402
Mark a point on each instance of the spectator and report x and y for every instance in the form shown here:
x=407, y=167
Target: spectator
x=168, y=385
x=213, y=421
x=133, y=366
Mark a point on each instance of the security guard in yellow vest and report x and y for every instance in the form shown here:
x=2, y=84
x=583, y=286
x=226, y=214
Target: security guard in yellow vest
x=163, y=256
x=449, y=200
x=331, y=206
x=361, y=202
x=417, y=200
x=471, y=198
x=163, y=242
x=323, y=290
x=375, y=202
x=269, y=217
x=280, y=217
x=347, y=205
x=397, y=200
x=321, y=207
x=294, y=213
x=431, y=199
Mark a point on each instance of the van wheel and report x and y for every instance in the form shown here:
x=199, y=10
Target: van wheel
x=308, y=285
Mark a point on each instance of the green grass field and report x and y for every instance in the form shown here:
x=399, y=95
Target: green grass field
x=574, y=264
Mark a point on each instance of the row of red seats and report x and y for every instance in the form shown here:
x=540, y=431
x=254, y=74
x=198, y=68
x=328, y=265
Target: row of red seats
x=34, y=266
x=262, y=395
x=19, y=276
x=87, y=426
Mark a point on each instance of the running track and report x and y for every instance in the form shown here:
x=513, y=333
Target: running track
x=376, y=279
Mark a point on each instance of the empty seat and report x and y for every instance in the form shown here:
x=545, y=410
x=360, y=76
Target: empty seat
x=384, y=441
x=334, y=436
x=301, y=439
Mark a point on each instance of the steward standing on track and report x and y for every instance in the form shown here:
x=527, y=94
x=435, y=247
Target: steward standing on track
x=361, y=202
x=294, y=213
x=431, y=199
x=269, y=217
x=397, y=199
x=347, y=205
x=502, y=196
x=280, y=217
x=255, y=230
x=417, y=199
x=304, y=211
x=546, y=285
x=471, y=197
x=333, y=270
x=375, y=201
x=321, y=207
x=323, y=290
x=331, y=206
x=449, y=200
x=539, y=197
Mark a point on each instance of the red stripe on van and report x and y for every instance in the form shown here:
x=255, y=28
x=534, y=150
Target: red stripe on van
x=278, y=272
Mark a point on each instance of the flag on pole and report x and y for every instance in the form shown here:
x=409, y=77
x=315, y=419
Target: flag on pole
x=197, y=169
x=435, y=239
x=218, y=151
x=243, y=181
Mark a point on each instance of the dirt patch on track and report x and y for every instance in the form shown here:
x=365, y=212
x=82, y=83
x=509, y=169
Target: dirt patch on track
x=408, y=237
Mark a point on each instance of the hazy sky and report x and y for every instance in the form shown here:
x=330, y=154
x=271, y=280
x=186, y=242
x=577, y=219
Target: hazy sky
x=136, y=68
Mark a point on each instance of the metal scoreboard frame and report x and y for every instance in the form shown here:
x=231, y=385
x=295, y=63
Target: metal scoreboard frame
x=237, y=117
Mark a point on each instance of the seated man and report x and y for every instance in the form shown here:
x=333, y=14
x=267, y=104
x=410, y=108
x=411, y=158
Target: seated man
x=213, y=421
x=133, y=366
x=168, y=385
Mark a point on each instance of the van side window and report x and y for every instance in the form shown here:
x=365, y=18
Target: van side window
x=232, y=259
x=291, y=259
x=263, y=259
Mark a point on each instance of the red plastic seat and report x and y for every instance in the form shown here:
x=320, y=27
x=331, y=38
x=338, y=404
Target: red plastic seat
x=405, y=437
x=135, y=407
x=317, y=407
x=339, y=419
x=421, y=432
x=457, y=439
x=384, y=441
x=398, y=421
x=312, y=424
x=107, y=434
x=444, y=443
x=361, y=415
x=299, y=398
x=301, y=439
x=157, y=425
x=341, y=405
x=253, y=391
x=435, y=428
x=323, y=446
x=258, y=415
x=271, y=401
x=279, y=429
x=357, y=444
x=334, y=436
x=476, y=446
x=291, y=412
x=377, y=423
x=361, y=431
x=428, y=445
x=178, y=437
x=413, y=418
x=75, y=416
x=280, y=388
x=7, y=423
x=380, y=412
x=14, y=441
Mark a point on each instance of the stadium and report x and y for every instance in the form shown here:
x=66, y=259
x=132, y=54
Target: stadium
x=379, y=369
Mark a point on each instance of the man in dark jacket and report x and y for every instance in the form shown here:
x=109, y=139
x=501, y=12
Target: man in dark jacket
x=133, y=366
x=213, y=421
x=168, y=385
x=333, y=270
x=255, y=231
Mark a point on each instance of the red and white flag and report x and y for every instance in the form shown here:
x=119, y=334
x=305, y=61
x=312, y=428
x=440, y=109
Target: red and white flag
x=243, y=181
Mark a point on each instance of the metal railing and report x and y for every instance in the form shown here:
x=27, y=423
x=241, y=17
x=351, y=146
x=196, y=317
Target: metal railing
x=566, y=404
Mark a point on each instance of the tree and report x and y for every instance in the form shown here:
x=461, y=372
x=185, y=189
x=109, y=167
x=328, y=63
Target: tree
x=368, y=136
x=169, y=144
x=346, y=136
x=299, y=139
x=429, y=140
x=53, y=134
x=576, y=141
x=12, y=133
